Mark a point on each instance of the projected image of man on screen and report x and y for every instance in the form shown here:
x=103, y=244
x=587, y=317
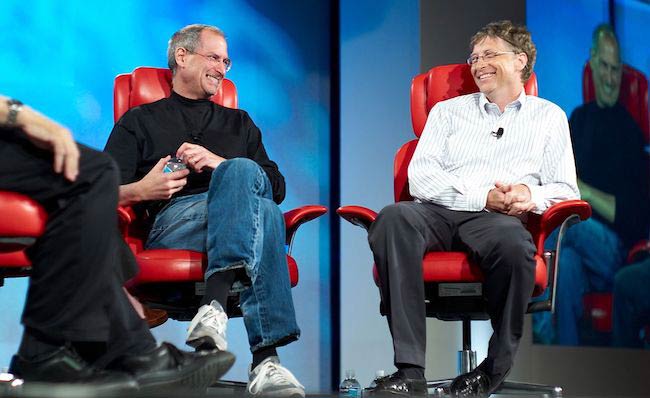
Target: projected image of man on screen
x=613, y=177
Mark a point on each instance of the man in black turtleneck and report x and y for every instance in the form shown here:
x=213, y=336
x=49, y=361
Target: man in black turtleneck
x=224, y=203
x=613, y=177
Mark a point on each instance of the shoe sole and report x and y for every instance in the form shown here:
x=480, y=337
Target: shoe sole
x=196, y=376
x=276, y=395
x=206, y=342
x=286, y=393
x=384, y=394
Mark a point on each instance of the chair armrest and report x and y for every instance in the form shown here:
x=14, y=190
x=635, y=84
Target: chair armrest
x=563, y=215
x=293, y=219
x=126, y=216
x=127, y=224
x=358, y=215
x=639, y=251
x=541, y=226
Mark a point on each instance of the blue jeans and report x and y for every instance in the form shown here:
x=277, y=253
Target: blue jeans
x=591, y=254
x=239, y=226
x=631, y=304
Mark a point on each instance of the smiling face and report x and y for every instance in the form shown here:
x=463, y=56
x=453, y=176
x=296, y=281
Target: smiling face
x=607, y=71
x=498, y=77
x=200, y=72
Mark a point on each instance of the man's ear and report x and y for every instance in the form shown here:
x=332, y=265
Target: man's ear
x=592, y=59
x=181, y=56
x=522, y=61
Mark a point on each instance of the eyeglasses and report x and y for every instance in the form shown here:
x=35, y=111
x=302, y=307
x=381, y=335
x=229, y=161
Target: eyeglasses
x=473, y=59
x=214, y=59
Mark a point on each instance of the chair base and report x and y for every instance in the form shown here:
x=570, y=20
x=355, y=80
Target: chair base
x=467, y=363
x=228, y=388
x=516, y=387
x=439, y=389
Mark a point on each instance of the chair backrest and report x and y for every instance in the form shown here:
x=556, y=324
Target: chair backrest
x=148, y=84
x=633, y=95
x=438, y=84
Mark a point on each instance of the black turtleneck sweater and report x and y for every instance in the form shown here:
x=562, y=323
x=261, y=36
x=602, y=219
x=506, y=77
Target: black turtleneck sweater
x=609, y=153
x=152, y=131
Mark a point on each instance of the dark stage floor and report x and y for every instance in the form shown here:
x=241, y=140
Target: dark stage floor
x=70, y=391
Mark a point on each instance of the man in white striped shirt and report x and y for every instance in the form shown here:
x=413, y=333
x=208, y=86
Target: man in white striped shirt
x=483, y=161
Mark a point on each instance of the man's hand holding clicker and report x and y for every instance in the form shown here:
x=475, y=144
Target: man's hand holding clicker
x=158, y=185
x=198, y=158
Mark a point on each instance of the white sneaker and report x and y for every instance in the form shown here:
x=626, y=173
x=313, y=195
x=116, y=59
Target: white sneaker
x=270, y=379
x=208, y=328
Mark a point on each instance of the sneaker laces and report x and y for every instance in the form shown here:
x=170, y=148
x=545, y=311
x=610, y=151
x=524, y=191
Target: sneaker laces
x=215, y=319
x=276, y=374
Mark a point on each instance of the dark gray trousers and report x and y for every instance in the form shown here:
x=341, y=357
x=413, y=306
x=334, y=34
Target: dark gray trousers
x=499, y=244
x=80, y=262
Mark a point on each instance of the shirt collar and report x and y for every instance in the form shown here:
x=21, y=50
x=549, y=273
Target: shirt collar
x=188, y=101
x=485, y=104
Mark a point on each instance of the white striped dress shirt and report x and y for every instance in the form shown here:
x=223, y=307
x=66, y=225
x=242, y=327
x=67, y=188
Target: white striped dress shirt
x=458, y=158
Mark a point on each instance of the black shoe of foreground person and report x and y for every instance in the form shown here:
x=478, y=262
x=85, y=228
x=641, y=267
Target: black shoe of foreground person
x=65, y=366
x=471, y=384
x=168, y=367
x=398, y=385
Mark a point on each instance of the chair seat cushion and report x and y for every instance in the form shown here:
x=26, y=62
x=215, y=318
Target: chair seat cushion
x=22, y=218
x=15, y=259
x=168, y=265
x=456, y=267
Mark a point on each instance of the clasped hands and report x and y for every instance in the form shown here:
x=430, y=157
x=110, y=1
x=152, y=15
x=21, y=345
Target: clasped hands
x=158, y=185
x=510, y=199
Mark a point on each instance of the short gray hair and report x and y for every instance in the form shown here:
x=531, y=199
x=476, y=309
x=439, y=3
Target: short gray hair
x=604, y=31
x=188, y=38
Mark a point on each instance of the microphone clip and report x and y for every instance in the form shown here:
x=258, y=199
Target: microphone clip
x=498, y=133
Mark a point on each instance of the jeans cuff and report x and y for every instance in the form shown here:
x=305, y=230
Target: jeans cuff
x=238, y=265
x=290, y=338
x=242, y=279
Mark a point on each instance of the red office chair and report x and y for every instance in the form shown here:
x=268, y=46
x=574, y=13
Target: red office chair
x=22, y=221
x=634, y=97
x=172, y=280
x=453, y=268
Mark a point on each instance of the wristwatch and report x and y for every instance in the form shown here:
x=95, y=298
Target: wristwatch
x=14, y=107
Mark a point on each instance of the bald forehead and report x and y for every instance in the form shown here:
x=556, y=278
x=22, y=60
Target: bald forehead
x=607, y=44
x=207, y=34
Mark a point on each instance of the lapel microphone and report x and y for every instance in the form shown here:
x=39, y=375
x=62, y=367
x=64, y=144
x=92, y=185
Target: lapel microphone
x=498, y=133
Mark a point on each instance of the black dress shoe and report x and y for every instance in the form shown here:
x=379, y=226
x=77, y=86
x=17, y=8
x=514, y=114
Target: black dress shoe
x=471, y=384
x=396, y=384
x=65, y=366
x=168, y=367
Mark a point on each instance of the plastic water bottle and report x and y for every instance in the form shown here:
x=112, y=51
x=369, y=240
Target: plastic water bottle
x=378, y=375
x=350, y=386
